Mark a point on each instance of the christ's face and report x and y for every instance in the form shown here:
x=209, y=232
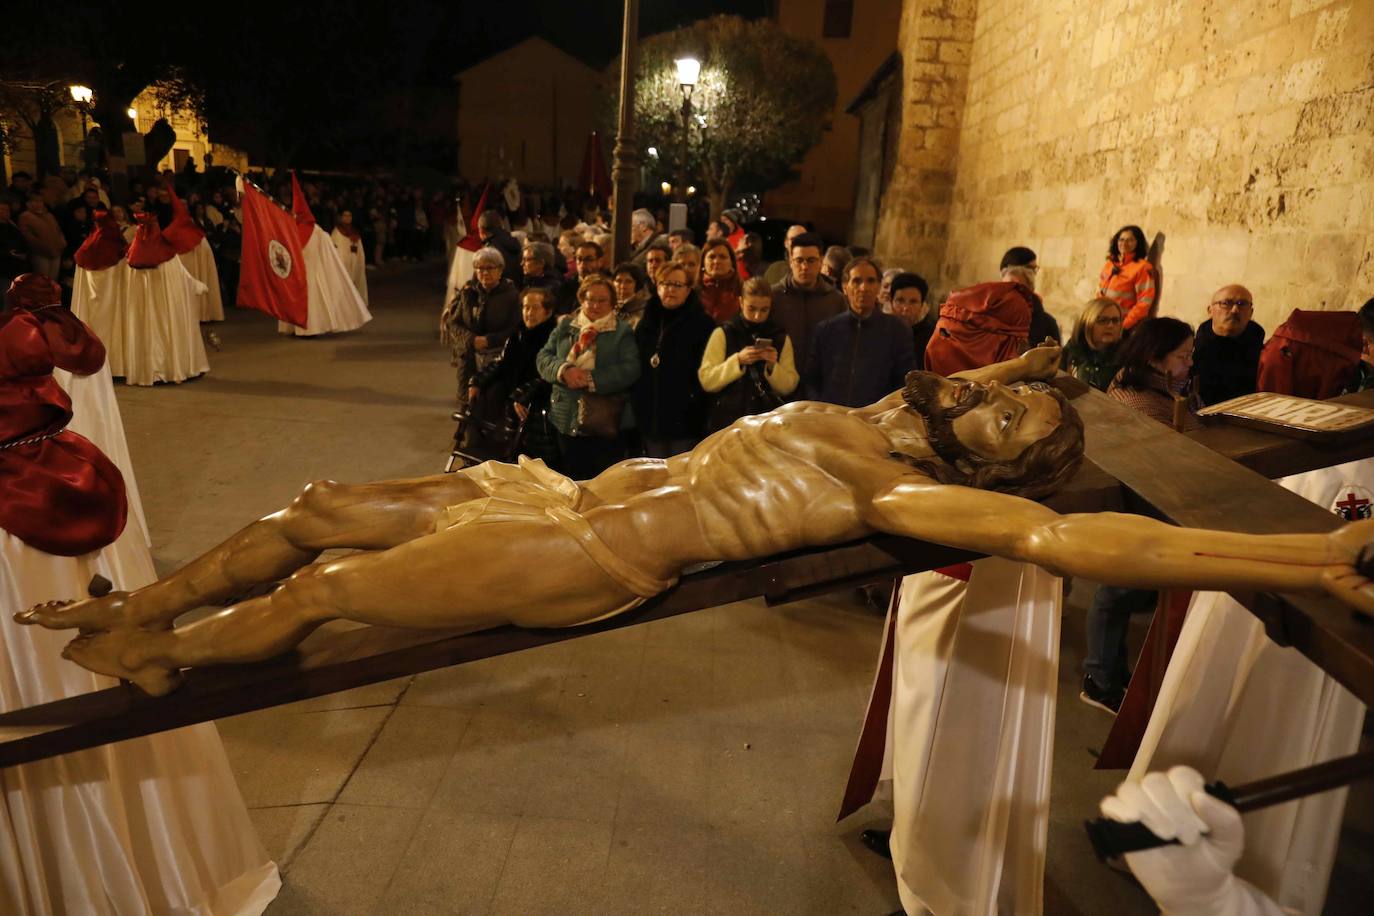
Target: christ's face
x=992, y=420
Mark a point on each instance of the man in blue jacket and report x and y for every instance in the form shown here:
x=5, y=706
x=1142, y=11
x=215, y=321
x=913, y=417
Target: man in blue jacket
x=862, y=352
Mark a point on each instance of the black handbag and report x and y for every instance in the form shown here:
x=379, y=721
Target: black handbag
x=599, y=415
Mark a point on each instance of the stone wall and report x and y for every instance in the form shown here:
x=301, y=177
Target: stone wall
x=1242, y=130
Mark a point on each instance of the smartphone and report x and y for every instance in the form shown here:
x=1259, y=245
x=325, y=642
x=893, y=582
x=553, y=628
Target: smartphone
x=763, y=342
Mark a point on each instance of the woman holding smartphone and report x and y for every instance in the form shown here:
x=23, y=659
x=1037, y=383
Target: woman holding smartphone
x=748, y=367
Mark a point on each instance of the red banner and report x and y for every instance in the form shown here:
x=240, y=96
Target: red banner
x=272, y=274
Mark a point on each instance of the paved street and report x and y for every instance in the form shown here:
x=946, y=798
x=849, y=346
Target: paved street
x=692, y=765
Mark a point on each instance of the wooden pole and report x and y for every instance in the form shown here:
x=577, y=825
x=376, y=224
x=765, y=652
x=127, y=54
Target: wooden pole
x=625, y=168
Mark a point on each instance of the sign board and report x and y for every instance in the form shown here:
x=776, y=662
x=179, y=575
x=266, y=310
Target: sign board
x=133, y=148
x=1302, y=418
x=677, y=217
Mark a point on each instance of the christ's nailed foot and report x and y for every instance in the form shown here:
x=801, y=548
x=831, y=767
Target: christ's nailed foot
x=105, y=653
x=88, y=615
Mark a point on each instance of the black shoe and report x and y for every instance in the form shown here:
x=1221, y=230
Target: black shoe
x=1108, y=700
x=878, y=841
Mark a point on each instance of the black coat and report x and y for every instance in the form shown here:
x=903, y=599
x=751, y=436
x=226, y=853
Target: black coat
x=669, y=401
x=515, y=366
x=14, y=253
x=1226, y=367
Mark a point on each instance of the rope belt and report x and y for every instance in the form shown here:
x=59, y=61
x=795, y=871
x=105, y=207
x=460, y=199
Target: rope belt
x=30, y=440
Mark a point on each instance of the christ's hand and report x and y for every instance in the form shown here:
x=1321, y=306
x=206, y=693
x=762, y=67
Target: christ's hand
x=1351, y=577
x=1043, y=361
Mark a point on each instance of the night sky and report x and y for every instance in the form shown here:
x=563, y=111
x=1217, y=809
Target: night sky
x=589, y=29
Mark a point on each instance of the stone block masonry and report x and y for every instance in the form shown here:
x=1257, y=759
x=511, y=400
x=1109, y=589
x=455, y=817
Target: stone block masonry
x=1242, y=130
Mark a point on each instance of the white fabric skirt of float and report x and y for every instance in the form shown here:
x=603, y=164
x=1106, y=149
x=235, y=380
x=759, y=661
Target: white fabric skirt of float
x=354, y=261
x=970, y=817
x=200, y=263
x=148, y=319
x=335, y=305
x=1237, y=707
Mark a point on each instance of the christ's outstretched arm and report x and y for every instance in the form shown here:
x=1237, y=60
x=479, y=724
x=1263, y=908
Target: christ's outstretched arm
x=1127, y=550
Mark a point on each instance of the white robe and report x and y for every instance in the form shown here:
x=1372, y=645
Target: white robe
x=335, y=305
x=1237, y=707
x=354, y=260
x=459, y=273
x=200, y=263
x=148, y=319
x=149, y=826
x=971, y=805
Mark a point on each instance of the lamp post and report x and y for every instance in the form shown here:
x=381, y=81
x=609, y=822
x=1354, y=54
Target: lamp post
x=625, y=158
x=81, y=95
x=688, y=70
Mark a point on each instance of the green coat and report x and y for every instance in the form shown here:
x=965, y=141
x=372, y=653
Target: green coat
x=1096, y=367
x=617, y=369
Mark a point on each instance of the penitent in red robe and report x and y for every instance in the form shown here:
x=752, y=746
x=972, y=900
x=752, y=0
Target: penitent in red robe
x=58, y=492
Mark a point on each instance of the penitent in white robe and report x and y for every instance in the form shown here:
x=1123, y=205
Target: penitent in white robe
x=335, y=305
x=459, y=273
x=354, y=260
x=148, y=319
x=1237, y=707
x=143, y=827
x=971, y=804
x=200, y=263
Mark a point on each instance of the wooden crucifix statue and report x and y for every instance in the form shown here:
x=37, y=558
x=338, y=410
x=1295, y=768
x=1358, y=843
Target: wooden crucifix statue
x=955, y=460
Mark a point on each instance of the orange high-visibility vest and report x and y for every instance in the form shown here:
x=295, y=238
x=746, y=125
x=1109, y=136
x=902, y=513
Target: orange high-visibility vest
x=1131, y=285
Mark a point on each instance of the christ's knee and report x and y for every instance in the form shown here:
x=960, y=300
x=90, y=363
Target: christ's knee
x=313, y=512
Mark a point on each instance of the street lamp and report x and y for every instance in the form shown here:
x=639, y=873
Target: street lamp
x=81, y=95
x=688, y=71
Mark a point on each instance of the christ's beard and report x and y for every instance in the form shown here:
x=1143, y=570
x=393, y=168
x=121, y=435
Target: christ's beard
x=921, y=394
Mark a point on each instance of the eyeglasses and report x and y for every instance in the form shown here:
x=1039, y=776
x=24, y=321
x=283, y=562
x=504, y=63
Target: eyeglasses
x=1234, y=303
x=1107, y=319
x=671, y=284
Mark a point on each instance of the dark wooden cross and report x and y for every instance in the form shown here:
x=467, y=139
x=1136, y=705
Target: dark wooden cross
x=1215, y=478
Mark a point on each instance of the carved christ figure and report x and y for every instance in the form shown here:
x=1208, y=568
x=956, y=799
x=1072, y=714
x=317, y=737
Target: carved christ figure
x=952, y=460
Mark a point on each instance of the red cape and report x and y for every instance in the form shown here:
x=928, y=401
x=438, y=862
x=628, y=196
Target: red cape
x=59, y=493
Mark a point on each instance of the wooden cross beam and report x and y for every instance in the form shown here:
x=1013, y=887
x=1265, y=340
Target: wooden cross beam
x=1126, y=470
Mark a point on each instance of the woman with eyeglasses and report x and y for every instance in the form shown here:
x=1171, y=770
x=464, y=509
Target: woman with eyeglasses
x=1127, y=278
x=591, y=357
x=476, y=323
x=670, y=404
x=1092, y=354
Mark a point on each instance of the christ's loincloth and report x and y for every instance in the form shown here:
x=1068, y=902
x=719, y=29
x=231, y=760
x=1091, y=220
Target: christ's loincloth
x=533, y=493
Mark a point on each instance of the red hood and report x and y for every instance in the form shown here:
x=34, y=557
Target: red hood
x=103, y=248
x=181, y=232
x=149, y=248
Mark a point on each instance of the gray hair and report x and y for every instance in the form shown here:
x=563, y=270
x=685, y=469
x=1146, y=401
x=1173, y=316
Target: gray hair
x=486, y=256
x=644, y=219
x=541, y=251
